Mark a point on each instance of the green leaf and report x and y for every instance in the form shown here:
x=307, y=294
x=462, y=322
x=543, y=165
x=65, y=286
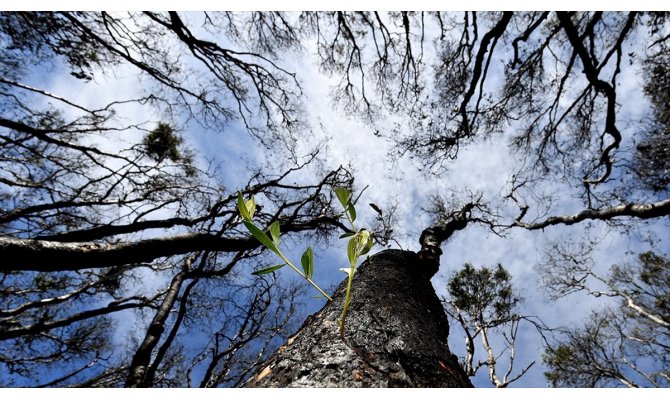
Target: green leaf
x=352, y=211
x=307, y=261
x=368, y=246
x=267, y=270
x=363, y=235
x=343, y=196
x=274, y=232
x=346, y=235
x=261, y=236
x=351, y=250
x=251, y=206
x=242, y=207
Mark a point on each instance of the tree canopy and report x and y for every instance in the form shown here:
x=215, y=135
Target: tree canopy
x=127, y=138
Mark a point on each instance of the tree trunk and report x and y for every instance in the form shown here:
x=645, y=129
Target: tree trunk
x=396, y=335
x=137, y=376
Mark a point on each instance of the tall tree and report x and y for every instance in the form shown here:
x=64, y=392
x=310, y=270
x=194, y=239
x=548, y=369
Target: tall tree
x=557, y=85
x=83, y=193
x=483, y=302
x=395, y=336
x=621, y=344
x=95, y=205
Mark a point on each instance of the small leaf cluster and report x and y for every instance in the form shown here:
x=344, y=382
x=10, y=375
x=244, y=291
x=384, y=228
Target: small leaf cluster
x=484, y=292
x=247, y=208
x=163, y=143
x=555, y=361
x=360, y=243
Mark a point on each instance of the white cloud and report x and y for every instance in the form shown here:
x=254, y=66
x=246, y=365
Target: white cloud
x=485, y=166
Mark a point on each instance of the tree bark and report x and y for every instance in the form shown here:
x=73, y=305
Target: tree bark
x=637, y=210
x=47, y=256
x=137, y=377
x=396, y=335
x=50, y=256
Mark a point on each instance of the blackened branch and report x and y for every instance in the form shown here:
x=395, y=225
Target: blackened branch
x=432, y=237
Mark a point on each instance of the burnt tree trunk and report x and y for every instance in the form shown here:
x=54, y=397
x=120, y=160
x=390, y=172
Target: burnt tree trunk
x=396, y=334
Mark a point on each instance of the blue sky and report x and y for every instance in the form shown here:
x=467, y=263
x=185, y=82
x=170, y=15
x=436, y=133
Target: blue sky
x=479, y=167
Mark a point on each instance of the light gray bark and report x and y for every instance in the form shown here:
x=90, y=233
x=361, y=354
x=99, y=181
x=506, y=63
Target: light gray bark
x=642, y=211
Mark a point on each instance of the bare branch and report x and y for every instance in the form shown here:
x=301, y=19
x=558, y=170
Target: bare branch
x=41, y=255
x=637, y=210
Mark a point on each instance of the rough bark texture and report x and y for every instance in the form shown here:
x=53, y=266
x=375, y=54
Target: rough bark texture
x=396, y=335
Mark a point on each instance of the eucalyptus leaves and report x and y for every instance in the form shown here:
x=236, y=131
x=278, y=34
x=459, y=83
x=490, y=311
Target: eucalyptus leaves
x=247, y=209
x=360, y=243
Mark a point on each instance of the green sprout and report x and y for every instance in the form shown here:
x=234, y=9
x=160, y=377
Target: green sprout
x=247, y=209
x=359, y=245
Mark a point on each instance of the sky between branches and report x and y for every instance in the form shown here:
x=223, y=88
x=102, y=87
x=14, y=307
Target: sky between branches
x=393, y=180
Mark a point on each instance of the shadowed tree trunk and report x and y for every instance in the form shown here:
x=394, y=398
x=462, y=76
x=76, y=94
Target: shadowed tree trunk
x=396, y=334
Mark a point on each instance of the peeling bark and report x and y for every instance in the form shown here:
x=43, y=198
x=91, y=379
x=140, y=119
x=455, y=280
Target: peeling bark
x=396, y=335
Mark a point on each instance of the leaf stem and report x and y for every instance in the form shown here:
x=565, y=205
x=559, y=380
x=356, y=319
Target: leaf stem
x=311, y=282
x=347, y=300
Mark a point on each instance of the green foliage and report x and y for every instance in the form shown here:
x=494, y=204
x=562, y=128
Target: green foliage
x=623, y=344
x=307, y=261
x=483, y=302
x=655, y=273
x=162, y=143
x=344, y=196
x=377, y=209
x=261, y=237
x=267, y=270
x=360, y=243
x=561, y=356
x=247, y=208
x=655, y=270
x=483, y=292
x=275, y=232
x=586, y=356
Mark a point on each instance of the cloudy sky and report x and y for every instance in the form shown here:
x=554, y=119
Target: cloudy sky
x=485, y=167
x=392, y=180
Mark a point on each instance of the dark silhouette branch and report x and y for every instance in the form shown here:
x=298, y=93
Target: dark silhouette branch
x=432, y=237
x=142, y=356
x=46, y=256
x=115, y=306
x=491, y=35
x=49, y=256
x=591, y=73
x=105, y=231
